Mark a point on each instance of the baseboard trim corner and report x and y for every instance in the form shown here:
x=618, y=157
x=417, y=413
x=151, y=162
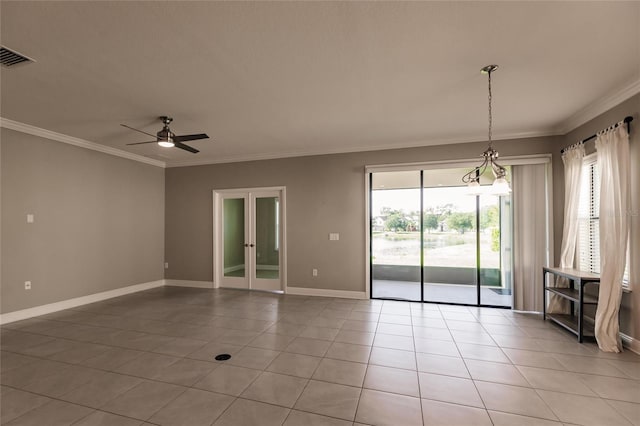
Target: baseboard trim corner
x=303, y=291
x=630, y=343
x=76, y=301
x=188, y=283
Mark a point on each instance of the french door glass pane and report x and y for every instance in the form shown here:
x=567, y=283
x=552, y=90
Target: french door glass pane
x=267, y=238
x=234, y=238
x=395, y=236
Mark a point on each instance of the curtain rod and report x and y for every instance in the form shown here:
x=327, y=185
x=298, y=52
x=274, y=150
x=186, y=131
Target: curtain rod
x=628, y=119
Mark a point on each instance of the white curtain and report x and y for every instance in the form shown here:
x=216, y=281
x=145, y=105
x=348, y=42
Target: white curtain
x=529, y=235
x=572, y=159
x=612, y=146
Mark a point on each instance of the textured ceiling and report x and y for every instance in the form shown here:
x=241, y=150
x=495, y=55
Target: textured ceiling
x=275, y=79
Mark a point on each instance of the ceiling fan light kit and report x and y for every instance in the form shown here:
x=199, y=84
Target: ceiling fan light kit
x=167, y=139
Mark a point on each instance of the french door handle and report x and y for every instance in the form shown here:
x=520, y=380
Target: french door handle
x=250, y=245
x=246, y=245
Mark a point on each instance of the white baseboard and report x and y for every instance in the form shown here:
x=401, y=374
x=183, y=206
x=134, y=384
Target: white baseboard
x=303, y=291
x=233, y=268
x=188, y=283
x=630, y=343
x=77, y=301
x=268, y=267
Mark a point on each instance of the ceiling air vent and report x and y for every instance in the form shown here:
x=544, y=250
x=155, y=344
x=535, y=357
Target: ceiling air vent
x=9, y=58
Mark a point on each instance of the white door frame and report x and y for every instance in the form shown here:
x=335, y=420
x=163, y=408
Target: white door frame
x=218, y=261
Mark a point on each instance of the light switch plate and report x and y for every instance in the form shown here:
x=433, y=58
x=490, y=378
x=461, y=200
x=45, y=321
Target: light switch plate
x=30, y=218
x=334, y=236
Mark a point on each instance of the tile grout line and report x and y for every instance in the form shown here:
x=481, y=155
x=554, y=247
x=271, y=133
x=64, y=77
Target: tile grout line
x=550, y=343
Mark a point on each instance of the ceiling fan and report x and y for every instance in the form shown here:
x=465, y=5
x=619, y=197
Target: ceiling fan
x=167, y=139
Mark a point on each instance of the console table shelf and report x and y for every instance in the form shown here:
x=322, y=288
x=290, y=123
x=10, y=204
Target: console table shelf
x=570, y=322
x=574, y=322
x=573, y=295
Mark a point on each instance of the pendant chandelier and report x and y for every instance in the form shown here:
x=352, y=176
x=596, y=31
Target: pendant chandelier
x=472, y=179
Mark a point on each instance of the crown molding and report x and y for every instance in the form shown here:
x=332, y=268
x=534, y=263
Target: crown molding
x=600, y=107
x=59, y=137
x=576, y=120
x=362, y=148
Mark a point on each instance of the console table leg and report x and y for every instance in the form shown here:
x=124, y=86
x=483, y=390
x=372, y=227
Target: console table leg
x=544, y=295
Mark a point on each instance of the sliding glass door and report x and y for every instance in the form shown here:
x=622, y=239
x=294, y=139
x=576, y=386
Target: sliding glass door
x=450, y=250
x=432, y=242
x=395, y=235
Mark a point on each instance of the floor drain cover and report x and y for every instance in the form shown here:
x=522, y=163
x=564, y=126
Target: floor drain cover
x=222, y=357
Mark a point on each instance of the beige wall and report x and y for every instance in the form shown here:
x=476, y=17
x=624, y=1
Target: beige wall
x=99, y=221
x=324, y=194
x=630, y=315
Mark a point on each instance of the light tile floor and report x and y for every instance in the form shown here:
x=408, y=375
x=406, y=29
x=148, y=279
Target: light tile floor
x=148, y=358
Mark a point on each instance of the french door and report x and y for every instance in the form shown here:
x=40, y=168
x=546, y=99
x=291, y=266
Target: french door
x=431, y=242
x=248, y=239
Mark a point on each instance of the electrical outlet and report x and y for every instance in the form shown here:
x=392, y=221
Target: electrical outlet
x=27, y=285
x=314, y=272
x=166, y=265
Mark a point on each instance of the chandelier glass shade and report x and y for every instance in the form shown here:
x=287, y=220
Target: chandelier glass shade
x=490, y=159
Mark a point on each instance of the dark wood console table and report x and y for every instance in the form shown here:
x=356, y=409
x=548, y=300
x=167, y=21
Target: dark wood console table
x=574, y=322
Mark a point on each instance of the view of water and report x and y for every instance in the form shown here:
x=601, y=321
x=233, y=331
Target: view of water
x=446, y=249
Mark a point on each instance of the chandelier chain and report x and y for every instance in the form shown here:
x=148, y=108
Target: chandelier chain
x=490, y=112
x=490, y=156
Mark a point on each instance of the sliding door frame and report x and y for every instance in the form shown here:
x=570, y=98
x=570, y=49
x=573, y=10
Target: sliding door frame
x=447, y=164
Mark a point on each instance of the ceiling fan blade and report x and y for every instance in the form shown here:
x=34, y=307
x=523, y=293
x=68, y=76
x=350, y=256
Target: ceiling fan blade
x=184, y=138
x=140, y=143
x=185, y=147
x=136, y=130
